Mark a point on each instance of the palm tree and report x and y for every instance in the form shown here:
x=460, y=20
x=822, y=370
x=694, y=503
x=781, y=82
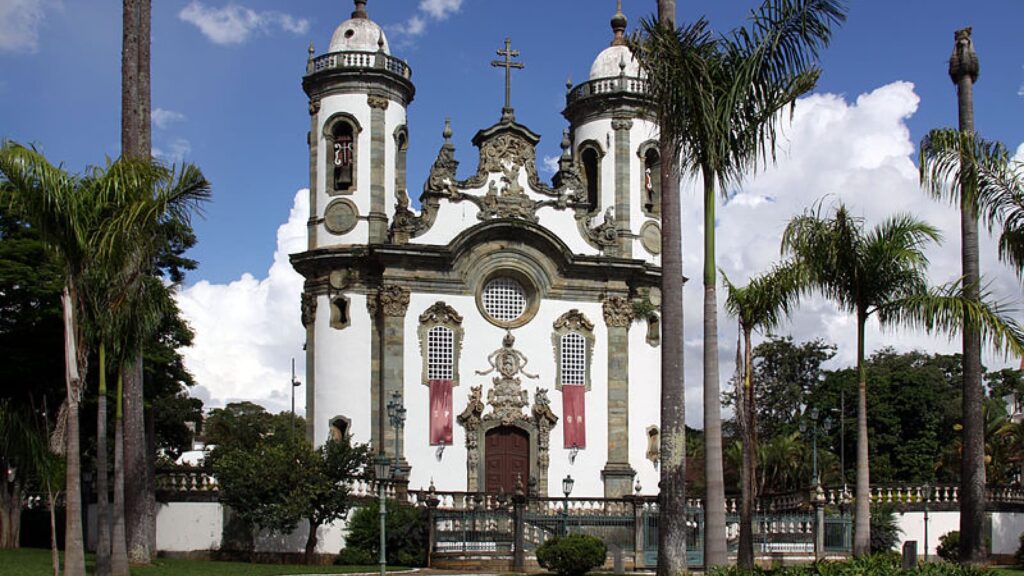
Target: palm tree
x=718, y=101
x=882, y=272
x=90, y=221
x=980, y=177
x=760, y=305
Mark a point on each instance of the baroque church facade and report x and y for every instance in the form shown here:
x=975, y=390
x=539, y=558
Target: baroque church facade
x=515, y=321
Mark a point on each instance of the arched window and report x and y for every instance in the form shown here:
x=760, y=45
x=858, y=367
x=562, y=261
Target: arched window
x=590, y=157
x=651, y=183
x=341, y=133
x=574, y=359
x=440, y=354
x=401, y=153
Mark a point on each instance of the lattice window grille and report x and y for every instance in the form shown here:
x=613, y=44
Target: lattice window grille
x=574, y=359
x=440, y=354
x=504, y=299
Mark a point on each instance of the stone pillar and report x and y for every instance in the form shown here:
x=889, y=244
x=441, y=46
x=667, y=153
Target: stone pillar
x=313, y=139
x=378, y=218
x=375, y=367
x=394, y=302
x=622, y=196
x=617, y=473
x=309, y=323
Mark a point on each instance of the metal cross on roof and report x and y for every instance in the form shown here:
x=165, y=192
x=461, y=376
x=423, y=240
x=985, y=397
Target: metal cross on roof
x=507, y=113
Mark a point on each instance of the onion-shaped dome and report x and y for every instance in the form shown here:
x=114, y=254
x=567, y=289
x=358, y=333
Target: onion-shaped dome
x=617, y=58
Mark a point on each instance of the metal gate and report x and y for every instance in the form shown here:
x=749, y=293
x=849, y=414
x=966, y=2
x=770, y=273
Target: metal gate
x=694, y=537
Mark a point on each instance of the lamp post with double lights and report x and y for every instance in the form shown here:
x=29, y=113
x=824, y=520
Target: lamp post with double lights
x=927, y=494
x=382, y=469
x=567, y=483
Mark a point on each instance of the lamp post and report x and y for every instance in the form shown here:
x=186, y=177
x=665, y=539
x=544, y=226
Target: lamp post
x=295, y=384
x=396, y=415
x=381, y=469
x=926, y=496
x=567, y=483
x=814, y=442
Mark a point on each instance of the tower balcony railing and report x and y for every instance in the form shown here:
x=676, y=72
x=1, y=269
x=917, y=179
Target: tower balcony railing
x=613, y=85
x=359, y=60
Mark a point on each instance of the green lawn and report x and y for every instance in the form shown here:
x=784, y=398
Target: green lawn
x=35, y=562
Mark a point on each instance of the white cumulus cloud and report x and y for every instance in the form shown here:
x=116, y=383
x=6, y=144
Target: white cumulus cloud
x=164, y=118
x=236, y=24
x=19, y=23
x=247, y=331
x=860, y=153
x=174, y=151
x=416, y=25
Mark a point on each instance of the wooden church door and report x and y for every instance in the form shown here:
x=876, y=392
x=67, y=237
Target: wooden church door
x=506, y=457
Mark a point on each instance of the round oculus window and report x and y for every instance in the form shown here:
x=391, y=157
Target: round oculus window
x=504, y=299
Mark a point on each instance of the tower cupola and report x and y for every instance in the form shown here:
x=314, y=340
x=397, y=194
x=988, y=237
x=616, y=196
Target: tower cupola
x=359, y=33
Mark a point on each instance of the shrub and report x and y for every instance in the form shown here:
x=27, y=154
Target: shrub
x=949, y=546
x=885, y=533
x=573, y=555
x=406, y=534
x=350, y=556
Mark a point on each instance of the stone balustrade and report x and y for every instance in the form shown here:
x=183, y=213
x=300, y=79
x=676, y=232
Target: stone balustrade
x=359, y=60
x=601, y=86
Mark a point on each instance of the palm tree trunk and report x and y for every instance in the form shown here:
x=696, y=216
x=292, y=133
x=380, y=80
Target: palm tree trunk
x=136, y=507
x=862, y=492
x=130, y=129
x=715, y=552
x=51, y=504
x=745, y=555
x=74, y=545
x=672, y=494
x=102, y=483
x=119, y=548
x=972, y=472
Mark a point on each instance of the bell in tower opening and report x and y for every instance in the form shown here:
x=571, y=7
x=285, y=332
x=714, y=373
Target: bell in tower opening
x=343, y=153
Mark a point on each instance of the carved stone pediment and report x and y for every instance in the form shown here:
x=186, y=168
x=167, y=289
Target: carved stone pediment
x=440, y=313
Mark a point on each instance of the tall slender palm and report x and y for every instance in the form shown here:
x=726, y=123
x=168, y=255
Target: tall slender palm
x=724, y=95
x=672, y=495
x=88, y=221
x=883, y=272
x=760, y=305
x=136, y=143
x=980, y=177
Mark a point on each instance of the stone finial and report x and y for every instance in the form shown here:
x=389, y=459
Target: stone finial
x=312, y=50
x=964, y=61
x=360, y=11
x=447, y=132
x=619, y=23
x=568, y=83
x=380, y=41
x=566, y=144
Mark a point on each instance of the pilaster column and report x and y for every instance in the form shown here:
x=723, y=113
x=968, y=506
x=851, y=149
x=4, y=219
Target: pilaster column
x=622, y=127
x=313, y=139
x=378, y=217
x=309, y=323
x=393, y=301
x=618, y=474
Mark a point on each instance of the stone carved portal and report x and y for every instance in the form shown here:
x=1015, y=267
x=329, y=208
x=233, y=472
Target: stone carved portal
x=507, y=427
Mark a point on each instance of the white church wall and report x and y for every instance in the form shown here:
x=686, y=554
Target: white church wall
x=912, y=526
x=343, y=370
x=562, y=223
x=642, y=131
x=189, y=526
x=452, y=218
x=394, y=117
x=1007, y=528
x=330, y=539
x=356, y=106
x=644, y=403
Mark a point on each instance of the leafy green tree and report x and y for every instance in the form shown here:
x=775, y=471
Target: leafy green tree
x=274, y=480
x=787, y=373
x=719, y=99
x=405, y=531
x=883, y=272
x=760, y=305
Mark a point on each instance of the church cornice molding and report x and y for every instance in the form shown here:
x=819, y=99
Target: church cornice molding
x=359, y=81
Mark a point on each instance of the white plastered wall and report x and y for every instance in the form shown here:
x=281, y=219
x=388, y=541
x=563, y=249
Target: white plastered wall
x=644, y=403
x=343, y=370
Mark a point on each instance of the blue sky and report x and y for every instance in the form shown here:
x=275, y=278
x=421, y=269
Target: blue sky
x=227, y=86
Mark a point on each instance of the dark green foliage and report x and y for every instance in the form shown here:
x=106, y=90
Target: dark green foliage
x=871, y=565
x=885, y=531
x=949, y=546
x=786, y=373
x=406, y=532
x=573, y=555
x=270, y=475
x=350, y=556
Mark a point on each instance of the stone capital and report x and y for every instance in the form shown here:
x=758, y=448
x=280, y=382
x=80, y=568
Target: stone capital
x=621, y=124
x=377, y=102
x=393, y=300
x=308, y=309
x=618, y=312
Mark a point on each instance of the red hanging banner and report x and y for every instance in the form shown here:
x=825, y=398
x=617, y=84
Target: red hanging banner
x=440, y=412
x=574, y=423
